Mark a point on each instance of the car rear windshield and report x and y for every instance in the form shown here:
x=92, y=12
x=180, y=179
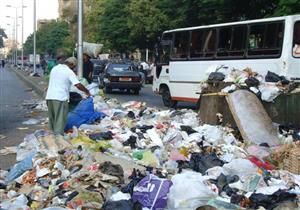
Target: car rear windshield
x=119, y=67
x=97, y=62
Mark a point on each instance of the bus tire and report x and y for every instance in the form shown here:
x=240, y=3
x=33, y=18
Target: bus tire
x=136, y=91
x=167, y=100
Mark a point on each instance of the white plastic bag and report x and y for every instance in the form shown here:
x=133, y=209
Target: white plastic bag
x=189, y=191
x=212, y=134
x=93, y=88
x=240, y=167
x=269, y=92
x=92, y=49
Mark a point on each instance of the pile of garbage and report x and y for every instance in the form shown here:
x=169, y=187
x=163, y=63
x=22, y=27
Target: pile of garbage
x=267, y=87
x=175, y=162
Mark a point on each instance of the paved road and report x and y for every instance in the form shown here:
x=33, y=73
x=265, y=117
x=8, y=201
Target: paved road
x=13, y=92
x=148, y=96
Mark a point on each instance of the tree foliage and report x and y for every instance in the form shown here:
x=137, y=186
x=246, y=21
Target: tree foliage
x=128, y=24
x=50, y=38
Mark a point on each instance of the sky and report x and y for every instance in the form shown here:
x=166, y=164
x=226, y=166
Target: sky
x=45, y=9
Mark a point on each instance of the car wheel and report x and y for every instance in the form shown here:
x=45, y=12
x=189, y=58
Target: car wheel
x=136, y=91
x=107, y=89
x=167, y=100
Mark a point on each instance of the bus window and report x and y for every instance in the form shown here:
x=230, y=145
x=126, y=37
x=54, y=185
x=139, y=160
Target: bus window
x=224, y=41
x=296, y=40
x=209, y=45
x=196, y=45
x=256, y=35
x=180, y=45
x=265, y=39
x=238, y=41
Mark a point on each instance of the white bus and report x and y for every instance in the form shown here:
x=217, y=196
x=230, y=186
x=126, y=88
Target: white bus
x=184, y=55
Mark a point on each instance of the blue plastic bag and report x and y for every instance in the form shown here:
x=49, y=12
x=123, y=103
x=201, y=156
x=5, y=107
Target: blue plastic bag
x=19, y=168
x=84, y=113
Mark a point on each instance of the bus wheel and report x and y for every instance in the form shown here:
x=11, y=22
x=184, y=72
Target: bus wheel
x=167, y=100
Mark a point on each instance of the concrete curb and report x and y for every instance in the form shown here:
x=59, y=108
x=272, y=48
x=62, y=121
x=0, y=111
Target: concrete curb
x=35, y=87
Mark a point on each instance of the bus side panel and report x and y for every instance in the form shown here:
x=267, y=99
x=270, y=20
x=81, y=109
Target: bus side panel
x=185, y=77
x=196, y=71
x=185, y=91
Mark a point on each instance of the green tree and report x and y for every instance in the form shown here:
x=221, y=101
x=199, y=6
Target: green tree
x=49, y=38
x=287, y=7
x=124, y=25
x=146, y=22
x=107, y=23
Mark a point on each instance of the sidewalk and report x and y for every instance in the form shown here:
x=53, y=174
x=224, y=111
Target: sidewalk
x=38, y=84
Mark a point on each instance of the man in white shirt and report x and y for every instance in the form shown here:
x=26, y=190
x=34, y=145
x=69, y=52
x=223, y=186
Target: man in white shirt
x=61, y=79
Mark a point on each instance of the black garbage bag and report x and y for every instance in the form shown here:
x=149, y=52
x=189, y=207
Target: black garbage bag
x=144, y=128
x=270, y=201
x=75, y=98
x=109, y=168
x=131, y=115
x=252, y=82
x=284, y=80
x=187, y=129
x=135, y=177
x=216, y=77
x=272, y=77
x=121, y=205
x=201, y=162
x=130, y=142
x=222, y=182
x=101, y=136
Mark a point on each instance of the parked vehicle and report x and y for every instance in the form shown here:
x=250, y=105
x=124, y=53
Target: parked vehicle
x=122, y=76
x=184, y=55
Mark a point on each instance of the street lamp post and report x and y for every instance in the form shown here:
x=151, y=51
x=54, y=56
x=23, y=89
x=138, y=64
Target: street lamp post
x=16, y=53
x=34, y=36
x=14, y=38
x=22, y=35
x=79, y=38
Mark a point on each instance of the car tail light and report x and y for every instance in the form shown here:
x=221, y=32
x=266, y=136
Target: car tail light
x=113, y=79
x=136, y=79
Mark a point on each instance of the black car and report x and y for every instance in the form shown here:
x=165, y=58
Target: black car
x=122, y=76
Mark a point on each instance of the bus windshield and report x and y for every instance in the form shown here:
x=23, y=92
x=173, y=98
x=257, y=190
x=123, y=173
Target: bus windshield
x=164, y=52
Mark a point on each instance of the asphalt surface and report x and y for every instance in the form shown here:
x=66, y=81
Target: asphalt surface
x=148, y=96
x=13, y=93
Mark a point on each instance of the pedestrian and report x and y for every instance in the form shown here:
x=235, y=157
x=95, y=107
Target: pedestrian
x=88, y=68
x=44, y=65
x=61, y=79
x=3, y=63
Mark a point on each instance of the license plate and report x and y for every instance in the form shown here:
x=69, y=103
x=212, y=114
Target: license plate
x=124, y=79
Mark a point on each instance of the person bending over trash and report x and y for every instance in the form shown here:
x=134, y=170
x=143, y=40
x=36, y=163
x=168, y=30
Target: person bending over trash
x=57, y=97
